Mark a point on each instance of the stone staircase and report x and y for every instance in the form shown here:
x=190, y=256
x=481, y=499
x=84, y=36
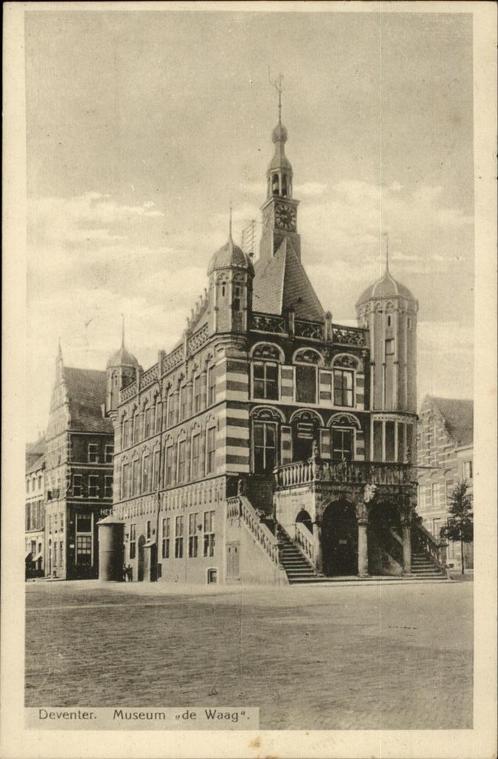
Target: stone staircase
x=423, y=567
x=297, y=567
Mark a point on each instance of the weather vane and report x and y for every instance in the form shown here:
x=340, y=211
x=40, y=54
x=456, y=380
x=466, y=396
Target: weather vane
x=278, y=83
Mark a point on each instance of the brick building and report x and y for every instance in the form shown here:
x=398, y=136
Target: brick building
x=35, y=509
x=271, y=444
x=79, y=471
x=445, y=446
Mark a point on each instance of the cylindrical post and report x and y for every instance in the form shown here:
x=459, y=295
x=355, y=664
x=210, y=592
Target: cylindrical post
x=407, y=548
x=317, y=542
x=362, y=548
x=111, y=552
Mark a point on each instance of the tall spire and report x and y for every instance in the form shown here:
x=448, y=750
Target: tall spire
x=59, y=350
x=386, y=235
x=122, y=331
x=230, y=223
x=279, y=86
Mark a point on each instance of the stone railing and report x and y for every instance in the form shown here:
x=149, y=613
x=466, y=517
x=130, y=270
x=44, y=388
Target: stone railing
x=304, y=539
x=311, y=330
x=129, y=391
x=340, y=472
x=240, y=506
x=149, y=377
x=349, y=335
x=425, y=541
x=268, y=323
x=198, y=339
x=172, y=359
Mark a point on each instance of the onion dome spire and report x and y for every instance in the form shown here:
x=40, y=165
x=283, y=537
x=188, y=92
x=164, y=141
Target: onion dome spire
x=280, y=170
x=122, y=357
x=230, y=255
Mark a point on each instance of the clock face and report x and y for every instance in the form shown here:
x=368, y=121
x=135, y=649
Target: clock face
x=285, y=217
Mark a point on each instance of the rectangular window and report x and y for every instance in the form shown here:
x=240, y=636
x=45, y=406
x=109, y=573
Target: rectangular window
x=135, y=477
x=390, y=441
x=210, y=450
x=305, y=383
x=192, y=538
x=133, y=541
x=83, y=550
x=109, y=454
x=343, y=387
x=181, y=461
x=342, y=444
x=77, y=485
x=166, y=537
x=83, y=523
x=211, y=385
x=125, y=483
x=197, y=394
x=265, y=446
x=467, y=470
x=169, y=465
x=195, y=455
x=108, y=486
x=93, y=453
x=390, y=347
x=209, y=539
x=147, y=530
x=265, y=380
x=155, y=481
x=325, y=386
x=93, y=486
x=179, y=538
x=146, y=474
x=236, y=304
x=183, y=403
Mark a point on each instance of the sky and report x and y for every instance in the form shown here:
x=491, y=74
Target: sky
x=143, y=127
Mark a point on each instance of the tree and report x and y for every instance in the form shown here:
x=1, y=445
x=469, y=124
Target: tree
x=460, y=523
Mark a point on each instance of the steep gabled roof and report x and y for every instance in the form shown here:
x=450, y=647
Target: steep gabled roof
x=35, y=454
x=458, y=415
x=282, y=282
x=86, y=389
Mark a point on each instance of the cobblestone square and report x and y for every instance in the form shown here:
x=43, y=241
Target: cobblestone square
x=344, y=657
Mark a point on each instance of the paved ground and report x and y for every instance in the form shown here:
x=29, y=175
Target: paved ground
x=311, y=658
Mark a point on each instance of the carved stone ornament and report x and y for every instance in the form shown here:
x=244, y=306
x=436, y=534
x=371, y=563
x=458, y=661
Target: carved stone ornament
x=308, y=356
x=348, y=361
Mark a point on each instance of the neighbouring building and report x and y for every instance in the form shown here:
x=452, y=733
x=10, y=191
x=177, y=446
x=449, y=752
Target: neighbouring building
x=34, y=526
x=79, y=471
x=445, y=457
x=271, y=444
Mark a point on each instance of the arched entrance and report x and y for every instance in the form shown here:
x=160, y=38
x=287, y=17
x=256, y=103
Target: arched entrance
x=305, y=427
x=340, y=539
x=385, y=544
x=141, y=558
x=305, y=519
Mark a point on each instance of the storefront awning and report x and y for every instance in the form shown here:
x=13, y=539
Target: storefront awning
x=28, y=556
x=149, y=544
x=38, y=557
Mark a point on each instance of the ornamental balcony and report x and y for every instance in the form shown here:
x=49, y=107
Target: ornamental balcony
x=358, y=473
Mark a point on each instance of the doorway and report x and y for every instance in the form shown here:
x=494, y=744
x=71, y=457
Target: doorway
x=305, y=431
x=305, y=519
x=141, y=558
x=340, y=540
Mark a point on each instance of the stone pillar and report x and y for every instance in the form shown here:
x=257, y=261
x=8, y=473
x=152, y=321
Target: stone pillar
x=362, y=520
x=407, y=549
x=317, y=542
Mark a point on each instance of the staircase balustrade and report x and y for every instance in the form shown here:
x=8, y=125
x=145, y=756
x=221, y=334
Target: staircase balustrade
x=423, y=540
x=304, y=539
x=240, y=506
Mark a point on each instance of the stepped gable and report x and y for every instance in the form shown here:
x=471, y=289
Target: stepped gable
x=282, y=282
x=86, y=390
x=459, y=418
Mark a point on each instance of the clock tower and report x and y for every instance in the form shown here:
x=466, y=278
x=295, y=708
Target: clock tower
x=280, y=208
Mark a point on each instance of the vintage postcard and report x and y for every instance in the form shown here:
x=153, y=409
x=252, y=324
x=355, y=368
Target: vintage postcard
x=250, y=387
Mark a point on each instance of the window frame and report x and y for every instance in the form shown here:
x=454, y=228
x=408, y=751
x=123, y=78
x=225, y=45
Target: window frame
x=339, y=370
x=305, y=365
x=266, y=383
x=93, y=458
x=265, y=423
x=210, y=452
x=342, y=429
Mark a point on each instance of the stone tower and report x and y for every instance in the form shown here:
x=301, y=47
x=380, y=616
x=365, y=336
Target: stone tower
x=280, y=208
x=389, y=311
x=122, y=368
x=231, y=274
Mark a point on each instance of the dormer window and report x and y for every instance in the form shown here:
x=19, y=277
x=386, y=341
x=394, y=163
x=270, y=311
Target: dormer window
x=237, y=301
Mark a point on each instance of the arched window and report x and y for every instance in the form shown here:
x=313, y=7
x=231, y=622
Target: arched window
x=306, y=361
x=135, y=476
x=135, y=425
x=155, y=469
x=343, y=431
x=157, y=413
x=264, y=439
x=265, y=372
x=147, y=413
x=146, y=473
x=182, y=460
